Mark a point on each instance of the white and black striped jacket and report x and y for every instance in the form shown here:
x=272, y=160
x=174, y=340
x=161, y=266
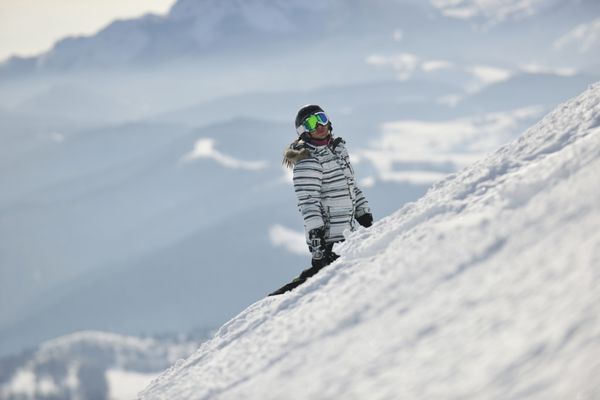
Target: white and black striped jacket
x=324, y=183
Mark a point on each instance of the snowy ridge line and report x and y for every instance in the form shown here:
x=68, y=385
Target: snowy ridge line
x=475, y=179
x=525, y=153
x=484, y=288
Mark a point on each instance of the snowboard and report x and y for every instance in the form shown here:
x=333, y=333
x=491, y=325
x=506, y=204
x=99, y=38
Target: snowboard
x=299, y=280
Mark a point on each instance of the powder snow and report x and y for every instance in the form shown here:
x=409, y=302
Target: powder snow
x=485, y=288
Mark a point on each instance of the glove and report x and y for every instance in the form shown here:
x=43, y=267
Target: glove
x=365, y=220
x=317, y=247
x=322, y=253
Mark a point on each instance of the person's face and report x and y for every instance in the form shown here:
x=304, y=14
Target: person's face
x=320, y=133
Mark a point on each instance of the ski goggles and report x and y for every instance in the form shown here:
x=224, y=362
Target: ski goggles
x=312, y=121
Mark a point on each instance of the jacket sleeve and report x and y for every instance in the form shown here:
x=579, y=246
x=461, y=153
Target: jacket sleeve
x=308, y=176
x=362, y=205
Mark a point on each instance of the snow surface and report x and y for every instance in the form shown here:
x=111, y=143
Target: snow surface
x=124, y=385
x=486, y=288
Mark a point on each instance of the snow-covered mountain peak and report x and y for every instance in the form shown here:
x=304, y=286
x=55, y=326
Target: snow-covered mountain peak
x=262, y=15
x=88, y=365
x=197, y=28
x=191, y=28
x=81, y=339
x=484, y=288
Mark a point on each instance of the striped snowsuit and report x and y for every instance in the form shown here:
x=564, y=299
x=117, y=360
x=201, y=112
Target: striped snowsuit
x=324, y=183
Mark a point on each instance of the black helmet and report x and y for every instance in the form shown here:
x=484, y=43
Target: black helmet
x=306, y=112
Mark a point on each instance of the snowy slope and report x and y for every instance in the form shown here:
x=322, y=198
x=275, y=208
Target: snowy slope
x=486, y=288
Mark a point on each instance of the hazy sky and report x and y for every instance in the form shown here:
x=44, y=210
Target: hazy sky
x=31, y=26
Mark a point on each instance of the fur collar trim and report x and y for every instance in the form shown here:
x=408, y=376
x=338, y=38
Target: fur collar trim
x=297, y=151
x=300, y=150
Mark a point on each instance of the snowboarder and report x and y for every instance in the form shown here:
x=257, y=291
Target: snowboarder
x=328, y=198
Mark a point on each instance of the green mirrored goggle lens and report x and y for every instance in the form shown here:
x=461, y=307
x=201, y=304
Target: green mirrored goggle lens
x=312, y=121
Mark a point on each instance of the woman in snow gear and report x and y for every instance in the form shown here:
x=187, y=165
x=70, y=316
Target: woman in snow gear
x=328, y=197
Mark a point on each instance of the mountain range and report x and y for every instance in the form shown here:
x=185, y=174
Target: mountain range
x=90, y=365
x=197, y=29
